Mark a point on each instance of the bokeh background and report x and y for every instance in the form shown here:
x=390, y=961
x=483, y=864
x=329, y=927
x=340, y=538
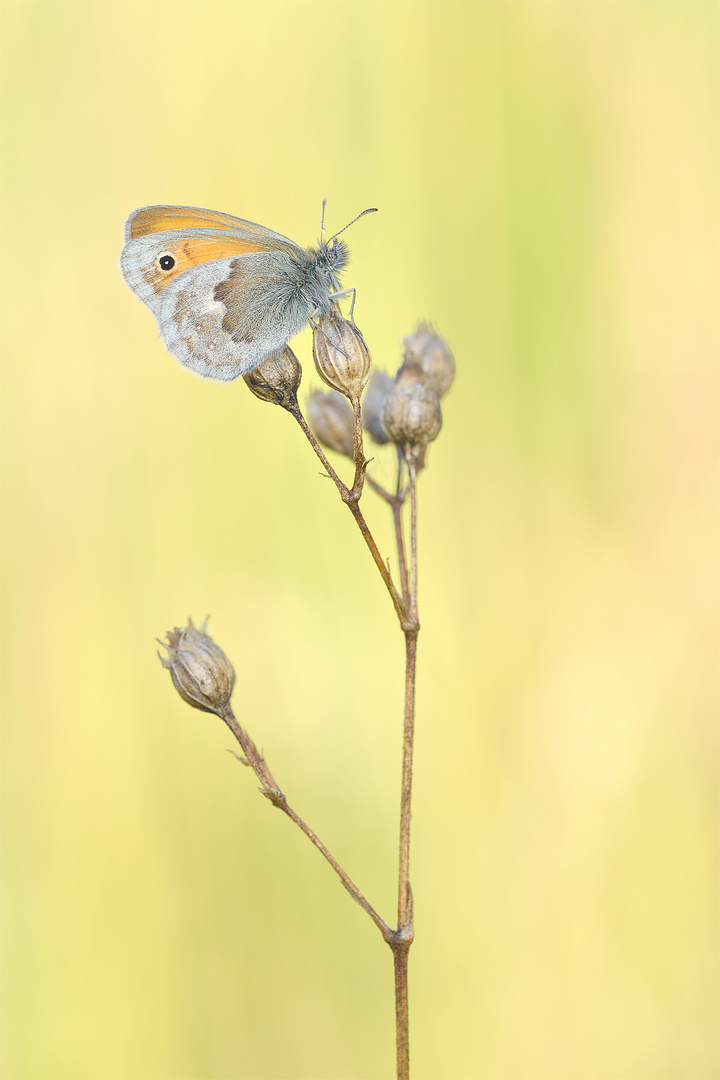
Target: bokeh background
x=546, y=175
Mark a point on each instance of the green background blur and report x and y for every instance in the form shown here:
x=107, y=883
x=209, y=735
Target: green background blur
x=546, y=175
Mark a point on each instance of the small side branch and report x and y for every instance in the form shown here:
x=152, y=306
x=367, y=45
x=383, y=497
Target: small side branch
x=271, y=790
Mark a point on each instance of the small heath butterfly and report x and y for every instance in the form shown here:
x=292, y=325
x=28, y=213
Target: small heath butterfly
x=226, y=292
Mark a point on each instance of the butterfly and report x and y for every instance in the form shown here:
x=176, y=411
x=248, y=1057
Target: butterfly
x=226, y=292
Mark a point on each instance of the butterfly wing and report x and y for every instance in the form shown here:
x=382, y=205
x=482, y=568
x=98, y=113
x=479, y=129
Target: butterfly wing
x=157, y=219
x=220, y=287
x=222, y=318
x=190, y=236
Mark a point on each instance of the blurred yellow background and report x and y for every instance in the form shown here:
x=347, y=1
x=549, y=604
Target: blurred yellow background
x=546, y=175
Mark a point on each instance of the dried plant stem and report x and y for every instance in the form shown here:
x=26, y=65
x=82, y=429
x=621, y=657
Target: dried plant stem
x=412, y=474
x=402, y=562
x=350, y=498
x=359, y=454
x=406, y=607
x=396, y=503
x=404, y=896
x=400, y=960
x=271, y=790
x=382, y=926
x=405, y=931
x=408, y=411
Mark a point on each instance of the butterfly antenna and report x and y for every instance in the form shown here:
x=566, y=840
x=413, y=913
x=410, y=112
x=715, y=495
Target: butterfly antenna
x=322, y=220
x=370, y=210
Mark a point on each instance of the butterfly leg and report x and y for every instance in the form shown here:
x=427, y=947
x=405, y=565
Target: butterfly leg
x=340, y=295
x=316, y=326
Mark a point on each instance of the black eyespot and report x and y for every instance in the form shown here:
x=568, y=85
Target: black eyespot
x=166, y=262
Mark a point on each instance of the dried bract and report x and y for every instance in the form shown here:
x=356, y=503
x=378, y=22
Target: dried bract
x=432, y=353
x=373, y=400
x=276, y=378
x=341, y=356
x=411, y=414
x=201, y=672
x=332, y=421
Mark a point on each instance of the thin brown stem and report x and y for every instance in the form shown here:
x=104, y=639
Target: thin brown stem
x=406, y=607
x=402, y=1039
x=396, y=503
x=271, y=790
x=400, y=544
x=404, y=905
x=351, y=501
x=358, y=450
x=405, y=932
x=409, y=716
x=399, y=502
x=294, y=408
x=412, y=474
x=345, y=878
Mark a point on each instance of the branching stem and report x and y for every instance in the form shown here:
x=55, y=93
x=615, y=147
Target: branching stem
x=406, y=608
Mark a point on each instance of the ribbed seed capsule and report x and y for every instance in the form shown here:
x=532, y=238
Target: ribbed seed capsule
x=201, y=672
x=411, y=414
x=341, y=356
x=331, y=420
x=276, y=378
x=373, y=400
x=433, y=355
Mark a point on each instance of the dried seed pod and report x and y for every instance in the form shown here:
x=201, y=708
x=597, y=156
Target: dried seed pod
x=341, y=356
x=332, y=421
x=373, y=400
x=411, y=414
x=276, y=378
x=201, y=672
x=433, y=355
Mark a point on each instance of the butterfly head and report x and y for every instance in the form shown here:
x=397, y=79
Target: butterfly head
x=318, y=281
x=327, y=261
x=335, y=254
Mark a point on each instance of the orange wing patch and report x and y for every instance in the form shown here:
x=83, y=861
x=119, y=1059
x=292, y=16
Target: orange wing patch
x=155, y=219
x=196, y=251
